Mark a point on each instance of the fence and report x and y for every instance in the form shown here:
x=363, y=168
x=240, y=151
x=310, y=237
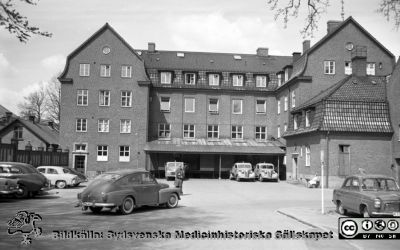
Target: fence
x=10, y=152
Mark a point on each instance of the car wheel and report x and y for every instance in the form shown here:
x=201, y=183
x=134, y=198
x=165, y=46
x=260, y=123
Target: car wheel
x=61, y=184
x=23, y=192
x=95, y=210
x=127, y=206
x=172, y=201
x=340, y=209
x=261, y=178
x=365, y=212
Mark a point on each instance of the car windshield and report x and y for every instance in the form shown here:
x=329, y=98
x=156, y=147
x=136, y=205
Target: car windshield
x=173, y=165
x=105, y=178
x=379, y=184
x=266, y=166
x=244, y=166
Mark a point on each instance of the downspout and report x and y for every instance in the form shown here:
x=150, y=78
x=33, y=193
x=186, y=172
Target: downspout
x=327, y=160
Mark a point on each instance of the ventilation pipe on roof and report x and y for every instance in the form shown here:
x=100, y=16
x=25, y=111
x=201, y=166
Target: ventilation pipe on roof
x=306, y=45
x=296, y=56
x=8, y=116
x=332, y=25
x=262, y=52
x=151, y=47
x=32, y=118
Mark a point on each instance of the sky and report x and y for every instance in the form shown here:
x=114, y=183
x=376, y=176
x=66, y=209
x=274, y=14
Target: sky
x=233, y=26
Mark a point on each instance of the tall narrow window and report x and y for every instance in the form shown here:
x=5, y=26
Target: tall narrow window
x=261, y=106
x=188, y=131
x=295, y=122
x=213, y=79
x=125, y=126
x=166, y=77
x=371, y=69
x=279, y=107
x=237, y=132
x=308, y=156
x=347, y=68
x=84, y=69
x=126, y=98
x=104, y=98
x=212, y=132
x=102, y=153
x=237, y=80
x=164, y=130
x=105, y=70
x=285, y=127
x=190, y=79
x=279, y=79
x=189, y=105
x=286, y=74
x=165, y=104
x=329, y=67
x=278, y=132
x=261, y=81
x=18, y=133
x=261, y=133
x=293, y=100
x=124, y=153
x=236, y=106
x=213, y=105
x=126, y=71
x=103, y=125
x=81, y=125
x=308, y=112
x=285, y=106
x=82, y=97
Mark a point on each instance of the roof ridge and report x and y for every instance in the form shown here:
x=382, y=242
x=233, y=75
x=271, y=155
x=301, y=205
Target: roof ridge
x=210, y=52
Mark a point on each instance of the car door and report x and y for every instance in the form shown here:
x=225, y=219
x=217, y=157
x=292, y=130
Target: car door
x=354, y=195
x=343, y=193
x=150, y=189
x=52, y=175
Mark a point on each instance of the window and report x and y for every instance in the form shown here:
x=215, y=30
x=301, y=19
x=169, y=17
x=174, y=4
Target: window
x=52, y=171
x=237, y=106
x=371, y=69
x=84, y=69
x=105, y=70
x=164, y=130
x=279, y=107
x=308, y=112
x=166, y=77
x=124, y=153
x=82, y=97
x=261, y=133
x=308, y=156
x=261, y=81
x=237, y=132
x=213, y=79
x=237, y=80
x=347, y=68
x=189, y=105
x=213, y=105
x=102, y=153
x=279, y=79
x=293, y=100
x=125, y=126
x=190, y=79
x=344, y=149
x=285, y=127
x=104, y=98
x=126, y=98
x=329, y=67
x=81, y=125
x=295, y=122
x=103, y=125
x=126, y=71
x=261, y=106
x=285, y=107
x=278, y=132
x=188, y=131
x=165, y=104
x=80, y=147
x=286, y=74
x=18, y=133
x=212, y=132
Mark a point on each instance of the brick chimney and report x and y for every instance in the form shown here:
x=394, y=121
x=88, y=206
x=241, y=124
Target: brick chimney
x=8, y=116
x=333, y=25
x=296, y=56
x=359, y=61
x=32, y=118
x=151, y=47
x=306, y=45
x=50, y=124
x=262, y=52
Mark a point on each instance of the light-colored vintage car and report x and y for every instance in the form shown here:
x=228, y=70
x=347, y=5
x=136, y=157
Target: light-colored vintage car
x=61, y=177
x=171, y=166
x=265, y=171
x=126, y=190
x=368, y=195
x=242, y=171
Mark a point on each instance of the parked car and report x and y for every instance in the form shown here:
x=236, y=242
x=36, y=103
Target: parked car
x=126, y=190
x=171, y=166
x=8, y=186
x=29, y=179
x=242, y=171
x=368, y=195
x=265, y=171
x=61, y=177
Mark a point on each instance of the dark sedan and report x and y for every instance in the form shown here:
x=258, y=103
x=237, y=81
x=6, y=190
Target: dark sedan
x=368, y=195
x=125, y=190
x=8, y=186
x=29, y=179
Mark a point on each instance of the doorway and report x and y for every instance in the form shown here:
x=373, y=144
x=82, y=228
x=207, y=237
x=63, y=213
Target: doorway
x=294, y=168
x=80, y=163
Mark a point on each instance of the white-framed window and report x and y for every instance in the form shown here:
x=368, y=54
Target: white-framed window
x=125, y=126
x=212, y=131
x=237, y=106
x=261, y=81
x=285, y=127
x=126, y=98
x=126, y=71
x=18, y=133
x=237, y=80
x=371, y=69
x=279, y=107
x=188, y=131
x=165, y=104
x=347, y=68
x=261, y=133
x=329, y=67
x=105, y=70
x=103, y=125
x=81, y=125
x=293, y=99
x=261, y=106
x=82, y=97
x=80, y=147
x=102, y=153
x=285, y=105
x=237, y=132
x=213, y=105
x=286, y=74
x=279, y=79
x=189, y=105
x=278, y=132
x=308, y=156
x=164, y=130
x=190, y=78
x=295, y=122
x=84, y=69
x=104, y=98
x=213, y=79
x=308, y=112
x=166, y=77
x=124, y=153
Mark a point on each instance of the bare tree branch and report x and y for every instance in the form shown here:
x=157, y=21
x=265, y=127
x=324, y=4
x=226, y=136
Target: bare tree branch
x=391, y=10
x=34, y=105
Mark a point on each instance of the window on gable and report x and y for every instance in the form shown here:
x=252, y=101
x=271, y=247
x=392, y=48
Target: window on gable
x=371, y=69
x=165, y=104
x=236, y=106
x=84, y=69
x=104, y=98
x=261, y=133
x=213, y=105
x=103, y=125
x=189, y=105
x=102, y=153
x=212, y=131
x=124, y=153
x=82, y=97
x=164, y=130
x=126, y=98
x=190, y=79
x=126, y=71
x=166, y=77
x=18, y=133
x=261, y=81
x=237, y=80
x=261, y=106
x=213, y=79
x=188, y=131
x=329, y=67
x=347, y=68
x=105, y=70
x=237, y=132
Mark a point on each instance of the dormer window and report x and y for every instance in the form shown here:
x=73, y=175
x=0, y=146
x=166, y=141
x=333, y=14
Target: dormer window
x=237, y=80
x=308, y=112
x=261, y=81
x=213, y=79
x=166, y=77
x=279, y=79
x=286, y=74
x=190, y=79
x=295, y=123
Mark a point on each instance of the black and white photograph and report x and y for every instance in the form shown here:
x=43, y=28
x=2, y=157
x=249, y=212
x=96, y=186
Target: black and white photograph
x=200, y=124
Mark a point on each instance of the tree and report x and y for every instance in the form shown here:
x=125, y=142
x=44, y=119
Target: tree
x=34, y=104
x=315, y=8
x=17, y=24
x=53, y=97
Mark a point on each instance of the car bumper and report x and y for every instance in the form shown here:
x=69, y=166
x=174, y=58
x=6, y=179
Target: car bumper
x=8, y=191
x=96, y=204
x=394, y=214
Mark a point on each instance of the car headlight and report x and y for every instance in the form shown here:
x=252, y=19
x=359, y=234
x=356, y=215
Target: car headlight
x=104, y=196
x=377, y=203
